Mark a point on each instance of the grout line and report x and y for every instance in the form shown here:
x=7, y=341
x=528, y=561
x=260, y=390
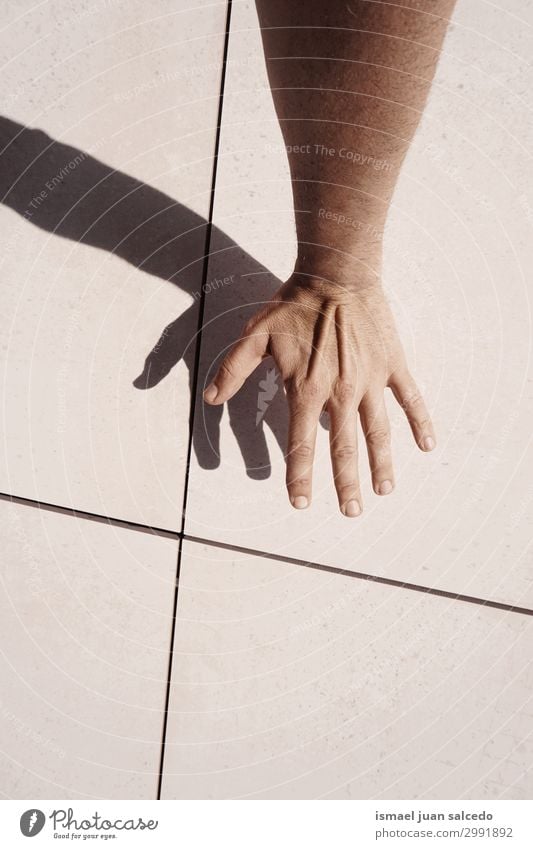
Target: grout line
x=91, y=517
x=181, y=535
x=194, y=386
x=364, y=576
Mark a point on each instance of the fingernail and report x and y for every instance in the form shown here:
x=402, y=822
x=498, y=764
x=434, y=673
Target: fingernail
x=428, y=443
x=385, y=487
x=300, y=502
x=352, y=508
x=211, y=393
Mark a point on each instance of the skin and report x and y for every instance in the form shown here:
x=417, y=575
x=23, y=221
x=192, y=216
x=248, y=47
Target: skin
x=349, y=82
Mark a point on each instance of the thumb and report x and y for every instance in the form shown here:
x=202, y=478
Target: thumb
x=241, y=361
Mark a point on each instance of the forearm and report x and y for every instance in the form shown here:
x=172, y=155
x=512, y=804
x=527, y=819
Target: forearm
x=349, y=82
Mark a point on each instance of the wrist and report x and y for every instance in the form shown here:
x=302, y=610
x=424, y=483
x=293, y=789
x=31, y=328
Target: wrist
x=337, y=273
x=317, y=292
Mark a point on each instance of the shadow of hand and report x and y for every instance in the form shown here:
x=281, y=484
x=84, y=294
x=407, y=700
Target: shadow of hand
x=97, y=205
x=237, y=287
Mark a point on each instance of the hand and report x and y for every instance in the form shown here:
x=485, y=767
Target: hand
x=334, y=352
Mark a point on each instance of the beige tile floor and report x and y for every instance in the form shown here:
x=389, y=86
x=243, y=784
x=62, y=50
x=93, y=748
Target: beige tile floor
x=296, y=683
x=287, y=680
x=85, y=628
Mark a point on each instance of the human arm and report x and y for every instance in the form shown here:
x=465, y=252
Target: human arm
x=349, y=83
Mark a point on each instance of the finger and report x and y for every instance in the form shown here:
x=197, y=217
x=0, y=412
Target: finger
x=376, y=427
x=344, y=454
x=409, y=398
x=303, y=420
x=243, y=358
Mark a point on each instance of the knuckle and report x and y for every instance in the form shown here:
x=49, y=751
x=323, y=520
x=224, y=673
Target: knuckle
x=378, y=440
x=343, y=452
x=308, y=389
x=301, y=483
x=346, y=486
x=228, y=370
x=300, y=451
x=411, y=401
x=343, y=390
